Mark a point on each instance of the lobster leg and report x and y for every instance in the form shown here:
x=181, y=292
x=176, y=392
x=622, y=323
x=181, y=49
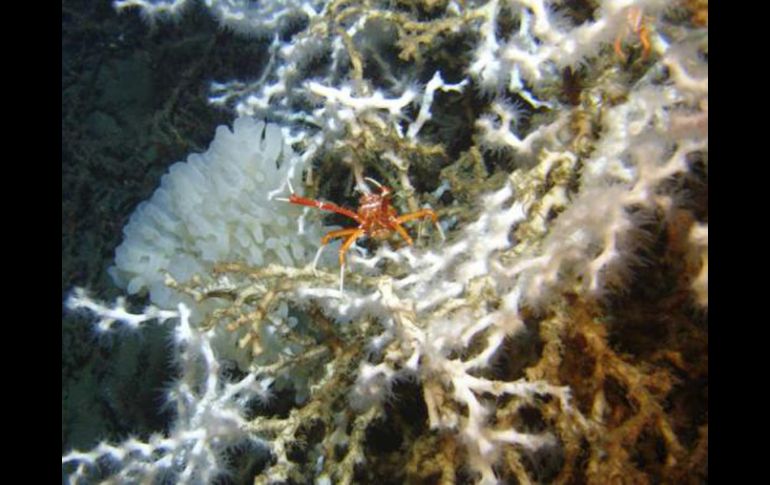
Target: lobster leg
x=324, y=206
x=419, y=215
x=338, y=233
x=354, y=234
x=328, y=237
x=357, y=233
x=402, y=232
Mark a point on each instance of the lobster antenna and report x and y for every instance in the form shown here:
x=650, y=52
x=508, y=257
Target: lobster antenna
x=369, y=179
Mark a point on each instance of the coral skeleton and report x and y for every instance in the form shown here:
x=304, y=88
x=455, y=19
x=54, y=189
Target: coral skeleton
x=556, y=333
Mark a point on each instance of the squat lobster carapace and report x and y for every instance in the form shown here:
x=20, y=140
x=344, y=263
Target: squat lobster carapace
x=376, y=218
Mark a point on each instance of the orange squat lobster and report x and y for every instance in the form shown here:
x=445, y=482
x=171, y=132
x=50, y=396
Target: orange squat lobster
x=375, y=216
x=636, y=22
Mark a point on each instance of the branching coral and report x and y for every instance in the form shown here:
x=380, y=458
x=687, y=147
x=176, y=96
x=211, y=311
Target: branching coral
x=556, y=336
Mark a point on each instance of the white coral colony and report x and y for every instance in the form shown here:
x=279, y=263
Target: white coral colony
x=216, y=206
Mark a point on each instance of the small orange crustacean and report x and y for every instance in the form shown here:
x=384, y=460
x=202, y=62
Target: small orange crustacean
x=637, y=23
x=376, y=218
